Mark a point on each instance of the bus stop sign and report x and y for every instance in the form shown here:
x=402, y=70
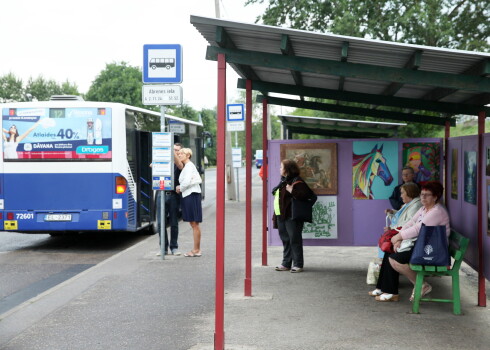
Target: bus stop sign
x=162, y=63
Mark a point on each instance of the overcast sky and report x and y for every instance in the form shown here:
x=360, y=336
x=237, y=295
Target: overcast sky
x=74, y=40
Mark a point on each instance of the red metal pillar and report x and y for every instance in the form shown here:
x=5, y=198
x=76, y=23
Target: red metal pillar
x=248, y=190
x=265, y=165
x=482, y=298
x=219, y=333
x=447, y=132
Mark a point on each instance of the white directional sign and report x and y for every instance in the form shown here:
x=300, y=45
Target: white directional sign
x=236, y=157
x=162, y=95
x=162, y=63
x=235, y=126
x=176, y=127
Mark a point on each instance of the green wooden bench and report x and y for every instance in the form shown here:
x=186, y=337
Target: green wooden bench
x=457, y=248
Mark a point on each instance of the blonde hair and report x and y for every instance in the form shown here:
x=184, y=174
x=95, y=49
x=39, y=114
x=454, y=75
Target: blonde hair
x=187, y=151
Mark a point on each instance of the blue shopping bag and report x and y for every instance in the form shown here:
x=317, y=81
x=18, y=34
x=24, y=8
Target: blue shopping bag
x=431, y=247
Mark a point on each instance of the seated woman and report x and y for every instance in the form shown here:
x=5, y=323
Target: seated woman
x=432, y=213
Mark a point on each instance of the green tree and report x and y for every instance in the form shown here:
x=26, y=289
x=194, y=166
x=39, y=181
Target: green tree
x=118, y=82
x=11, y=88
x=456, y=24
x=42, y=89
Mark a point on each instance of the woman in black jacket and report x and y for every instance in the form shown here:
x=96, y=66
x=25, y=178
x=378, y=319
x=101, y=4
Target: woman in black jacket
x=290, y=231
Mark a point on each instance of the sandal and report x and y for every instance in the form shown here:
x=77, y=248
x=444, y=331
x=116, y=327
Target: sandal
x=426, y=289
x=191, y=254
x=375, y=293
x=387, y=297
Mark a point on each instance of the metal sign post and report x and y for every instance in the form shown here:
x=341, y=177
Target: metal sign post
x=162, y=64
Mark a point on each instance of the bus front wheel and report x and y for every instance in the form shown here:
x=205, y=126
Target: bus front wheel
x=154, y=67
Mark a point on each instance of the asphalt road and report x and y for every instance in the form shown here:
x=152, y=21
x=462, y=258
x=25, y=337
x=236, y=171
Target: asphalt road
x=33, y=263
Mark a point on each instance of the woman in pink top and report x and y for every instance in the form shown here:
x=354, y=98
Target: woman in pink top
x=432, y=213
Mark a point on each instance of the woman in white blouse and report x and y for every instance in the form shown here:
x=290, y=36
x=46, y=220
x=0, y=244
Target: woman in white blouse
x=190, y=181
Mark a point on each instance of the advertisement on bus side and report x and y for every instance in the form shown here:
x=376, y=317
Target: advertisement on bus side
x=56, y=133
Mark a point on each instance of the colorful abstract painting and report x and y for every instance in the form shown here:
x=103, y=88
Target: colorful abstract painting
x=324, y=223
x=424, y=158
x=470, y=177
x=374, y=166
x=454, y=174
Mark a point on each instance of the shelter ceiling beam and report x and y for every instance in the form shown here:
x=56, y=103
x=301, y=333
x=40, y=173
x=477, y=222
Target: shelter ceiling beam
x=481, y=69
x=343, y=58
x=224, y=41
x=365, y=112
x=413, y=64
x=391, y=101
x=335, y=133
x=339, y=128
x=352, y=70
x=288, y=50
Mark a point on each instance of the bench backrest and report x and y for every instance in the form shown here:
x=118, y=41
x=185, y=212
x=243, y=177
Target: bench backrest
x=457, y=248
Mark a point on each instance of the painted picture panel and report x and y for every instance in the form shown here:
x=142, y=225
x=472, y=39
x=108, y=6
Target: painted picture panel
x=454, y=174
x=424, y=159
x=324, y=223
x=488, y=207
x=470, y=177
x=317, y=163
x=374, y=166
x=487, y=169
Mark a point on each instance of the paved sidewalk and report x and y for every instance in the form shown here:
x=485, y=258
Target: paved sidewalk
x=118, y=304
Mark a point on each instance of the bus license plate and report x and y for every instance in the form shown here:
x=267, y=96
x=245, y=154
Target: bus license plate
x=57, y=217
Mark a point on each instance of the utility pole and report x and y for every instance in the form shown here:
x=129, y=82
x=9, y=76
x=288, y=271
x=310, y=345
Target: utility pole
x=230, y=176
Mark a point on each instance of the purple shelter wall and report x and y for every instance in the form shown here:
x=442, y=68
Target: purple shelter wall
x=360, y=222
x=464, y=215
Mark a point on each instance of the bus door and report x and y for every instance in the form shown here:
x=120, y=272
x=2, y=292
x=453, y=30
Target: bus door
x=140, y=203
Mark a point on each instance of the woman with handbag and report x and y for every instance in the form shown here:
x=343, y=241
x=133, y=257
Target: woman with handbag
x=290, y=230
x=410, y=192
x=190, y=181
x=432, y=213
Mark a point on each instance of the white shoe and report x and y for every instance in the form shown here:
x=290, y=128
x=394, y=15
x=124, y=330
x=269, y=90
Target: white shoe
x=375, y=292
x=159, y=253
x=176, y=252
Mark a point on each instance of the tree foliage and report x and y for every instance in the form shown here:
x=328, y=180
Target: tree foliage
x=12, y=89
x=118, y=82
x=456, y=24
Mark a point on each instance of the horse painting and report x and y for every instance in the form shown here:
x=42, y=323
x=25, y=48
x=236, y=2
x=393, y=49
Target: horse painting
x=365, y=167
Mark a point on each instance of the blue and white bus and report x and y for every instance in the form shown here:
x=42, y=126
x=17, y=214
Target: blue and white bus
x=67, y=165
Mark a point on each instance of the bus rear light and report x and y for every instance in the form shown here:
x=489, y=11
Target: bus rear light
x=115, y=215
x=10, y=216
x=1, y=216
x=121, y=185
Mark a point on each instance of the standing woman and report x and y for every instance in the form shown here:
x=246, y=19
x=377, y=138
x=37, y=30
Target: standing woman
x=290, y=230
x=191, y=198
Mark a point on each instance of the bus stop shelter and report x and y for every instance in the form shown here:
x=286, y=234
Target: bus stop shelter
x=430, y=85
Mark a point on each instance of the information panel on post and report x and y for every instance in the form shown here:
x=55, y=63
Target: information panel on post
x=162, y=161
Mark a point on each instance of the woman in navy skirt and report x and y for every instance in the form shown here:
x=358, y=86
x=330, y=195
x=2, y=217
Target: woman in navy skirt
x=190, y=181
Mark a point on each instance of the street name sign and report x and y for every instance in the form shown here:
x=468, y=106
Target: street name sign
x=162, y=95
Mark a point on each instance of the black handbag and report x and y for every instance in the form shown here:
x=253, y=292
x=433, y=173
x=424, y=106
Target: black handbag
x=431, y=247
x=302, y=210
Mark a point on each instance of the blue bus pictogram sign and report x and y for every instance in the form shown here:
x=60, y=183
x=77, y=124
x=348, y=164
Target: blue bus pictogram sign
x=162, y=63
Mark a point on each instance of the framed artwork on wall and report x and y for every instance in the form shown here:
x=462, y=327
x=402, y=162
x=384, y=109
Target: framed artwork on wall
x=488, y=207
x=454, y=173
x=317, y=164
x=424, y=159
x=487, y=169
x=374, y=169
x=324, y=223
x=470, y=177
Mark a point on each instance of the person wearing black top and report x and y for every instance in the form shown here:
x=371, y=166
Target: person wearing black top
x=408, y=175
x=172, y=206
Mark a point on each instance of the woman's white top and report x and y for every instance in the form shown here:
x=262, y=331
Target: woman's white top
x=189, y=180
